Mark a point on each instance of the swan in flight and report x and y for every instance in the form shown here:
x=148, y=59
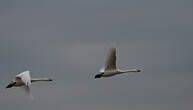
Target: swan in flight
x=24, y=80
x=110, y=66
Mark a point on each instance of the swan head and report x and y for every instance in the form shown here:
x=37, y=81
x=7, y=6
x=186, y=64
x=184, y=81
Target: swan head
x=10, y=84
x=49, y=79
x=99, y=75
x=137, y=70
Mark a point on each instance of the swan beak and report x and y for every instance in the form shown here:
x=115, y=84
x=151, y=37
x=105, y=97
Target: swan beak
x=50, y=79
x=10, y=85
x=98, y=76
x=138, y=70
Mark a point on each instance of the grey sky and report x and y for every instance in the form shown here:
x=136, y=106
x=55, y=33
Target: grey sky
x=68, y=41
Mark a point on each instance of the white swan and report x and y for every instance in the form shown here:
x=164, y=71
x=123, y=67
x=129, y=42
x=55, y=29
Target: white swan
x=110, y=66
x=24, y=80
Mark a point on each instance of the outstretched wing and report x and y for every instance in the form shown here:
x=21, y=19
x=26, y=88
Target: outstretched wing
x=26, y=89
x=25, y=77
x=111, y=60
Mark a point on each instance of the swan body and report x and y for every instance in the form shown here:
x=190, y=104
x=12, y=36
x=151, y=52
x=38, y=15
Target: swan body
x=110, y=66
x=24, y=80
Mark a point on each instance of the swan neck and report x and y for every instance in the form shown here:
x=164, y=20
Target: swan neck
x=130, y=70
x=40, y=79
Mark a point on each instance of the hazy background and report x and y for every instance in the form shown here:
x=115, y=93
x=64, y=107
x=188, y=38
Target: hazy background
x=68, y=40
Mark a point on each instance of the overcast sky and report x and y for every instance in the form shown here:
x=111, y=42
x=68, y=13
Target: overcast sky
x=68, y=40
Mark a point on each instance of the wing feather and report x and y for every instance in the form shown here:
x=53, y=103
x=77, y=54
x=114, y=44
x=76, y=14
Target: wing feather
x=25, y=77
x=111, y=60
x=102, y=70
x=26, y=89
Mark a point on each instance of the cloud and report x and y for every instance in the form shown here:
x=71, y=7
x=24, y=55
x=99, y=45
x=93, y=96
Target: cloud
x=68, y=41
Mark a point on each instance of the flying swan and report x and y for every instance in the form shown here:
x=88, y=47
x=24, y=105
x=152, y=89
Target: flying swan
x=110, y=66
x=24, y=80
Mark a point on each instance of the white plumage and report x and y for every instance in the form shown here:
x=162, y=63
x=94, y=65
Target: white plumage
x=24, y=80
x=110, y=63
x=25, y=77
x=110, y=68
